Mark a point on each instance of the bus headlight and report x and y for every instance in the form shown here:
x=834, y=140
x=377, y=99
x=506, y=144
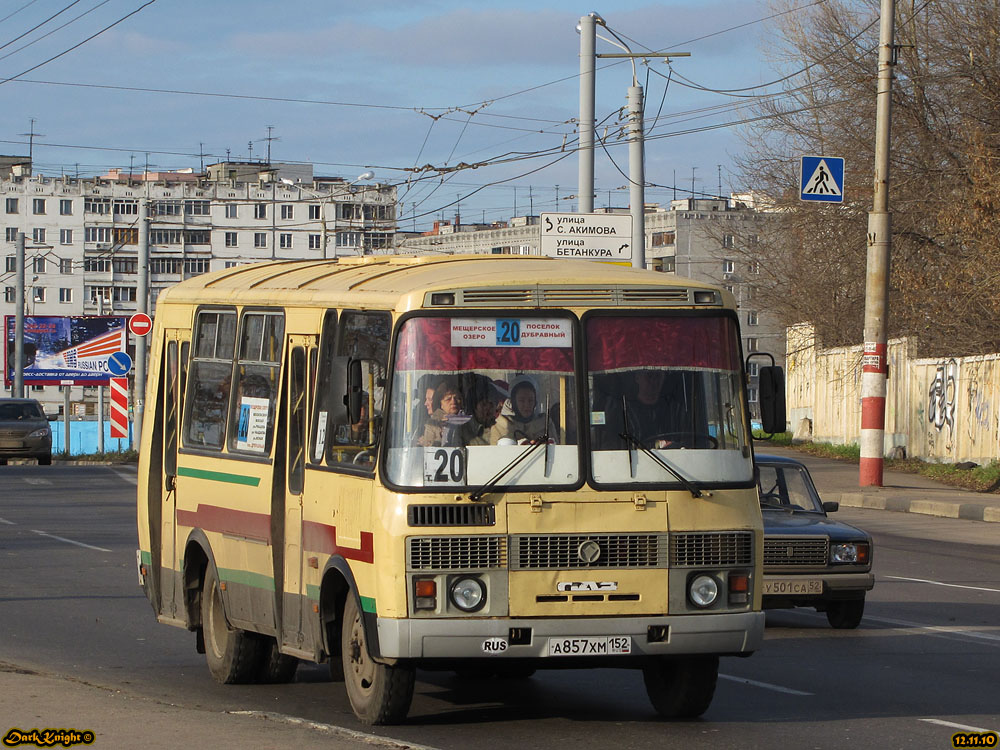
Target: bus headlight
x=703, y=590
x=468, y=594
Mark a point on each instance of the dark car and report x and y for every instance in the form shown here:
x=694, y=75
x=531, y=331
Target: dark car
x=810, y=560
x=24, y=430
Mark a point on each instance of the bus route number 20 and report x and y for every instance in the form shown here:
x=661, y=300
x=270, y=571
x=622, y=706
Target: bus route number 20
x=444, y=466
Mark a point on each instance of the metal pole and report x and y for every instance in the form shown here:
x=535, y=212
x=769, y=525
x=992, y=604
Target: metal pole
x=588, y=40
x=19, y=319
x=874, y=370
x=66, y=389
x=100, y=394
x=636, y=177
x=142, y=305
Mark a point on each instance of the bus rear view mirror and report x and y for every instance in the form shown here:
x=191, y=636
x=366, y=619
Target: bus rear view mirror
x=354, y=390
x=771, y=384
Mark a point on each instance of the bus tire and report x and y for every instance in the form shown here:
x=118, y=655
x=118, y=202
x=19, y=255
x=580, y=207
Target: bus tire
x=275, y=667
x=379, y=693
x=681, y=688
x=233, y=655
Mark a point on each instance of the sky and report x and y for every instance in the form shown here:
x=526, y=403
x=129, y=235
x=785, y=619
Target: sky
x=408, y=90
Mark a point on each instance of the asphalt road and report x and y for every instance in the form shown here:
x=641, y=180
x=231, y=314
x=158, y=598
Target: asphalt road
x=923, y=665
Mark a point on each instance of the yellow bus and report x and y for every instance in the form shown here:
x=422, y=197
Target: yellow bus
x=487, y=464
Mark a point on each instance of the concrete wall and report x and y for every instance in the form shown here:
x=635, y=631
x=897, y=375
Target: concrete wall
x=944, y=409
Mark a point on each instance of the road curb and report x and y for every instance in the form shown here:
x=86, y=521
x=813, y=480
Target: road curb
x=939, y=508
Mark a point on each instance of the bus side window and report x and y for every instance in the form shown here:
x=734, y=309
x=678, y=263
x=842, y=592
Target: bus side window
x=296, y=420
x=171, y=404
x=258, y=371
x=323, y=397
x=207, y=397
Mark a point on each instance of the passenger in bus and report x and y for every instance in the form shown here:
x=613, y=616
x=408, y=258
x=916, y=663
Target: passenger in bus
x=525, y=423
x=447, y=416
x=361, y=432
x=653, y=417
x=486, y=399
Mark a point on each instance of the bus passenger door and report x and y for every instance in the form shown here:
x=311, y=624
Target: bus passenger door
x=175, y=355
x=297, y=409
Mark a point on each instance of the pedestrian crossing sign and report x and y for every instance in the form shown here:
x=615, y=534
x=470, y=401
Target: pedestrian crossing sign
x=821, y=178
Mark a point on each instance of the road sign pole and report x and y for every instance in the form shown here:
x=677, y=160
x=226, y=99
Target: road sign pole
x=637, y=177
x=874, y=366
x=19, y=319
x=588, y=42
x=142, y=306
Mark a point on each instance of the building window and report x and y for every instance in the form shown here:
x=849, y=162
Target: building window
x=195, y=266
x=233, y=263
x=753, y=369
x=728, y=266
x=751, y=317
x=65, y=236
x=167, y=208
x=124, y=294
x=314, y=212
x=96, y=206
x=125, y=265
x=728, y=240
x=754, y=267
x=260, y=239
x=349, y=211
x=165, y=236
x=11, y=234
x=38, y=294
x=752, y=395
x=197, y=237
x=38, y=206
x=126, y=235
x=231, y=239
x=165, y=265
x=9, y=294
x=285, y=240
x=659, y=239
x=287, y=211
x=232, y=211
x=748, y=293
x=668, y=264
x=260, y=211
x=96, y=265
x=752, y=343
x=97, y=234
x=348, y=239
x=126, y=208
x=65, y=265
x=38, y=235
x=65, y=295
x=11, y=264
x=38, y=264
x=12, y=205
x=315, y=242
x=65, y=207
x=197, y=208
x=99, y=293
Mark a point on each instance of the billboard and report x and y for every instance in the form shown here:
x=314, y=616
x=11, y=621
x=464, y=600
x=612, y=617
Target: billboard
x=61, y=348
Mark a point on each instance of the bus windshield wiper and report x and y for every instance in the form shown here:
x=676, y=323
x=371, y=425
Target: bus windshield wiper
x=633, y=442
x=477, y=494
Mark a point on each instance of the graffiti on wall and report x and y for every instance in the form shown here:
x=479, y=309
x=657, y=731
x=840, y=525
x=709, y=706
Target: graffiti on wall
x=941, y=397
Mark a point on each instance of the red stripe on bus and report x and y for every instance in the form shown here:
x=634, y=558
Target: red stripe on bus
x=228, y=521
x=321, y=537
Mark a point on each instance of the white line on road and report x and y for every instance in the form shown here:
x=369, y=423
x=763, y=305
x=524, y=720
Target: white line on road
x=36, y=480
x=126, y=476
x=953, y=725
x=942, y=583
x=368, y=739
x=9, y=523
x=947, y=631
x=765, y=685
x=69, y=541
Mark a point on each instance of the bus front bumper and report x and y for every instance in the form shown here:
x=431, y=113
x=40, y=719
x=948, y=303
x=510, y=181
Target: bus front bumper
x=737, y=633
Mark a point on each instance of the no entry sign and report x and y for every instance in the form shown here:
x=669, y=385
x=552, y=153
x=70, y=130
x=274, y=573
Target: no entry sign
x=140, y=324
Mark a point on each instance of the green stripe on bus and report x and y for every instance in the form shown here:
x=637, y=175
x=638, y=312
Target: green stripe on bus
x=255, y=580
x=217, y=476
x=368, y=604
x=312, y=592
x=145, y=557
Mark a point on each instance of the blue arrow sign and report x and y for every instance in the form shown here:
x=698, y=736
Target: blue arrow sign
x=119, y=364
x=821, y=178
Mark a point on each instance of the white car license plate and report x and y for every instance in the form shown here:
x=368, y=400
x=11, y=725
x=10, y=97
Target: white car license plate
x=793, y=586
x=593, y=645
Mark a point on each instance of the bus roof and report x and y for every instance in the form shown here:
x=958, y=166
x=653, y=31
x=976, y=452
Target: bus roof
x=404, y=282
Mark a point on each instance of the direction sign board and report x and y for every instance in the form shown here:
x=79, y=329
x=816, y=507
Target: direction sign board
x=606, y=237
x=140, y=324
x=821, y=178
x=119, y=363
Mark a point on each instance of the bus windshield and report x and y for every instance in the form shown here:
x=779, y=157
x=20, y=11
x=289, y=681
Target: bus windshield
x=470, y=395
x=668, y=385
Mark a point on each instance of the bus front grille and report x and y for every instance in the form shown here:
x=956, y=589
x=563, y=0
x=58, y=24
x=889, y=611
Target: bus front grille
x=779, y=552
x=711, y=549
x=568, y=551
x=451, y=515
x=433, y=553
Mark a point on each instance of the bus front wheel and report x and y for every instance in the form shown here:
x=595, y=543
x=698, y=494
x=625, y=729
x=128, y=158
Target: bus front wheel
x=681, y=688
x=233, y=655
x=379, y=693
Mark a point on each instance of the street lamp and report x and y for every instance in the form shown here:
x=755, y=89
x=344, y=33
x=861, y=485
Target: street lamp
x=324, y=200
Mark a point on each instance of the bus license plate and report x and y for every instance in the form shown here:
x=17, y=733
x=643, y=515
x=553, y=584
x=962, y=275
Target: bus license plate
x=594, y=645
x=793, y=586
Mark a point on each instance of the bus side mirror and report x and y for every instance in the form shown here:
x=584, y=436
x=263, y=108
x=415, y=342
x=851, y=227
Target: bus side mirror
x=354, y=390
x=771, y=391
x=340, y=377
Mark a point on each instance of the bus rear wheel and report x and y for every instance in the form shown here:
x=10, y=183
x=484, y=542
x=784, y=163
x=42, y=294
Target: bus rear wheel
x=233, y=655
x=379, y=693
x=681, y=688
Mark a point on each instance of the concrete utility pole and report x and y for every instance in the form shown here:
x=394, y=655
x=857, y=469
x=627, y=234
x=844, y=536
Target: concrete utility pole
x=142, y=305
x=19, y=318
x=637, y=176
x=588, y=41
x=874, y=365
x=100, y=394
